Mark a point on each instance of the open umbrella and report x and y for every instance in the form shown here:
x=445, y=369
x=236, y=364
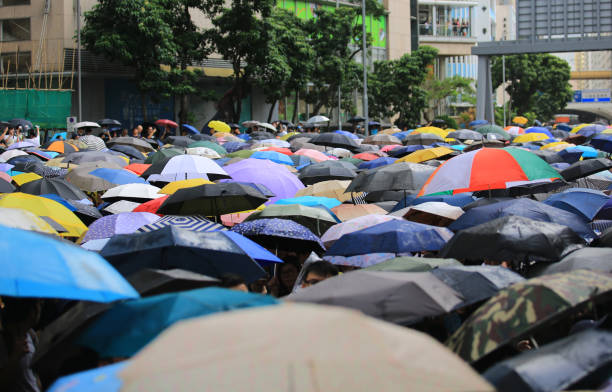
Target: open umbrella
x=345, y=212
x=382, y=140
x=324, y=171
x=61, y=147
x=93, y=143
x=132, y=192
x=55, y=186
x=513, y=239
x=494, y=129
x=585, y=168
x=166, y=123
x=383, y=295
x=123, y=223
x=426, y=154
x=422, y=139
x=129, y=326
x=183, y=167
x=334, y=189
x=82, y=179
x=555, y=366
x=140, y=144
x=332, y=139
x=174, y=186
x=519, y=309
x=192, y=222
x=316, y=220
x=129, y=151
x=86, y=124
x=434, y=213
x=412, y=264
x=280, y=234
x=594, y=259
x=36, y=265
x=190, y=129
x=117, y=176
x=352, y=225
x=311, y=201
x=162, y=155
x=25, y=220
x=405, y=176
x=119, y=207
x=94, y=156
x=583, y=202
x=273, y=156
x=318, y=119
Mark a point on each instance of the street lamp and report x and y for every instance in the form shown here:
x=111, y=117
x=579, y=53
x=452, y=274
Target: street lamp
x=365, y=70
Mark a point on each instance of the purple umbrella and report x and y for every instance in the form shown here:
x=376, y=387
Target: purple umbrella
x=6, y=167
x=274, y=176
x=24, y=144
x=123, y=223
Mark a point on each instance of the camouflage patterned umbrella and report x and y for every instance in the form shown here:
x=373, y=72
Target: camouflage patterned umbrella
x=519, y=309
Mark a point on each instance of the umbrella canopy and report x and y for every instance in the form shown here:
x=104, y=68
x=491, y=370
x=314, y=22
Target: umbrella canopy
x=316, y=220
x=213, y=200
x=423, y=139
x=129, y=151
x=122, y=223
x=280, y=234
x=60, y=146
x=166, y=123
x=129, y=326
x=25, y=220
x=513, y=239
x=476, y=283
x=334, y=189
x=174, y=186
x=431, y=130
x=86, y=124
x=434, y=213
x=44, y=207
x=120, y=207
x=318, y=119
x=273, y=156
x=323, y=171
x=183, y=167
x=93, y=143
x=36, y=265
x=274, y=176
x=150, y=282
x=555, y=366
x=194, y=222
x=405, y=176
x=208, y=144
x=381, y=140
x=396, y=236
x=583, y=202
x=412, y=264
x=383, y=295
x=345, y=212
x=426, y=155
x=314, y=155
x=101, y=379
x=332, y=139
x=311, y=201
x=494, y=129
x=585, y=168
x=352, y=225
x=162, y=155
x=488, y=168
x=594, y=259
x=81, y=178
x=382, y=161
x=132, y=192
x=94, y=156
x=522, y=307
x=208, y=253
x=140, y=144
x=55, y=186
x=526, y=208
x=465, y=134
x=109, y=121
x=117, y=176
x=307, y=347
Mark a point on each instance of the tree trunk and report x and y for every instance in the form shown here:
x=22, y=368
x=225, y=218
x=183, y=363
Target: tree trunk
x=184, y=108
x=271, y=111
x=143, y=100
x=296, y=106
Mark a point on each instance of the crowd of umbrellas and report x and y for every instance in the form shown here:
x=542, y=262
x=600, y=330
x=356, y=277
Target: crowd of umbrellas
x=469, y=260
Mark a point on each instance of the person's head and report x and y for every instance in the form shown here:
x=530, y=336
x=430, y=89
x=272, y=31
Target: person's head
x=20, y=314
x=233, y=282
x=124, y=132
x=136, y=132
x=287, y=273
x=317, y=272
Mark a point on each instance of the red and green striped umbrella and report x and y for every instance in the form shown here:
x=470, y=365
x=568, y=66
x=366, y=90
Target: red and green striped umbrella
x=488, y=168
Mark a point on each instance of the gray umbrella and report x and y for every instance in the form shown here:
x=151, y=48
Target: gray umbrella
x=465, y=134
x=81, y=157
x=93, y=143
x=403, y=176
x=323, y=171
x=140, y=144
x=81, y=178
x=596, y=259
x=401, y=298
x=422, y=139
x=556, y=366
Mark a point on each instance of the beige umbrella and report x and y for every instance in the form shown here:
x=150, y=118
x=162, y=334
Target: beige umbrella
x=25, y=220
x=57, y=162
x=390, y=131
x=346, y=212
x=431, y=213
x=81, y=178
x=296, y=347
x=381, y=139
x=331, y=188
x=341, y=152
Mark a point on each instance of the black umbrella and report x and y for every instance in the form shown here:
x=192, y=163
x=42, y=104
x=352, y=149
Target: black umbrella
x=484, y=202
x=514, y=239
x=85, y=212
x=383, y=295
x=385, y=196
x=108, y=122
x=20, y=122
x=356, y=119
x=423, y=139
x=261, y=135
x=595, y=259
x=570, y=363
x=559, y=134
x=56, y=186
x=6, y=187
x=179, y=141
x=209, y=253
x=154, y=281
x=404, y=176
x=323, y=171
x=476, y=283
x=130, y=151
x=213, y=200
x=203, y=137
x=31, y=164
x=586, y=168
x=487, y=143
x=548, y=156
x=465, y=134
x=307, y=135
x=333, y=139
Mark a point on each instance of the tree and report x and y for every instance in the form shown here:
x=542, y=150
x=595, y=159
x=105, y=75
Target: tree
x=135, y=34
x=395, y=87
x=535, y=82
x=440, y=89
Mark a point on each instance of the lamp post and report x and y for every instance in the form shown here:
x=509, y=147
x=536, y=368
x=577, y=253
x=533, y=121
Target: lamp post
x=78, y=10
x=365, y=69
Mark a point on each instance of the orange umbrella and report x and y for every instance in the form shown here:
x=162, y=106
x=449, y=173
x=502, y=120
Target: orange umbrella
x=366, y=156
x=138, y=168
x=346, y=212
x=151, y=206
x=61, y=147
x=282, y=150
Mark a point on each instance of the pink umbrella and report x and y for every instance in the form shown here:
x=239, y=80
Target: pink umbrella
x=362, y=222
x=5, y=177
x=389, y=147
x=230, y=220
x=514, y=131
x=313, y=154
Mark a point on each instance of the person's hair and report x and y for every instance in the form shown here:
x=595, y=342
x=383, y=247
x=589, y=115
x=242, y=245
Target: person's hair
x=321, y=268
x=231, y=280
x=16, y=309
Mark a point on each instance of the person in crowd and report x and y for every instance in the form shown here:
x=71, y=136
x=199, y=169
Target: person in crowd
x=284, y=278
x=124, y=132
x=233, y=282
x=33, y=136
x=18, y=344
x=317, y=272
x=9, y=136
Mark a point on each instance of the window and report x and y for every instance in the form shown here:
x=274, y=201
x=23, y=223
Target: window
x=9, y=61
x=6, y=3
x=14, y=30
x=445, y=20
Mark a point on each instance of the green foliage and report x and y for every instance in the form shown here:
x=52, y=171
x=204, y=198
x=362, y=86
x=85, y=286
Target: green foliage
x=452, y=87
x=396, y=86
x=450, y=122
x=536, y=82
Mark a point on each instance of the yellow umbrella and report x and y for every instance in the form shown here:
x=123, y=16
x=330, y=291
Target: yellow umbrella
x=42, y=207
x=425, y=155
x=520, y=120
x=219, y=126
x=227, y=136
x=57, y=162
x=607, y=131
x=435, y=130
x=25, y=220
x=24, y=178
x=332, y=188
x=287, y=136
x=174, y=186
x=579, y=127
x=556, y=146
x=530, y=137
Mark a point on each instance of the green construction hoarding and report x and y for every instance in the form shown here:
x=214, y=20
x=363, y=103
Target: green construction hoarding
x=46, y=108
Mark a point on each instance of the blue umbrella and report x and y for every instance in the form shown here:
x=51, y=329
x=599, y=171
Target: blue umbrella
x=273, y=156
x=458, y=200
x=244, y=136
x=102, y=379
x=570, y=156
x=117, y=176
x=402, y=151
x=35, y=265
x=591, y=130
x=395, y=236
x=253, y=249
x=478, y=122
x=346, y=133
x=300, y=160
x=564, y=127
x=311, y=201
x=60, y=200
x=235, y=146
x=129, y=326
x=222, y=161
x=6, y=167
x=190, y=129
x=122, y=223
x=279, y=233
x=382, y=161
x=57, y=135
x=580, y=201
x=526, y=208
x=539, y=130
x=606, y=211
x=587, y=152
x=208, y=253
x=602, y=142
x=128, y=150
x=458, y=147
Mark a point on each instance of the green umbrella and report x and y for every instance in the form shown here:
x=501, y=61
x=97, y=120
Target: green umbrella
x=354, y=161
x=208, y=144
x=315, y=219
x=240, y=154
x=494, y=129
x=517, y=310
x=162, y=154
x=412, y=264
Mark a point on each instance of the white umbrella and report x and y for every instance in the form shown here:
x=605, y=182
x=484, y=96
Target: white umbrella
x=183, y=167
x=5, y=156
x=86, y=124
x=203, y=151
x=121, y=206
x=318, y=119
x=250, y=123
x=268, y=126
x=341, y=153
x=133, y=191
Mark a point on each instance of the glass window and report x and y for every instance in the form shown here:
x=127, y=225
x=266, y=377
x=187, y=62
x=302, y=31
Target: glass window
x=9, y=61
x=6, y=3
x=15, y=30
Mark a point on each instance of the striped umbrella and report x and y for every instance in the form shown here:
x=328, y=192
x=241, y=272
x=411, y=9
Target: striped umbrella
x=488, y=168
x=193, y=223
x=93, y=142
